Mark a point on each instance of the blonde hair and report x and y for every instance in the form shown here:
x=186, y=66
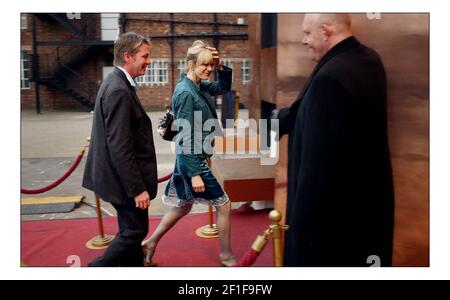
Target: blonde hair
x=198, y=54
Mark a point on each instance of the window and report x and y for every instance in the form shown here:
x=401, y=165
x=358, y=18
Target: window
x=156, y=73
x=228, y=63
x=245, y=71
x=24, y=71
x=182, y=66
x=23, y=21
x=109, y=25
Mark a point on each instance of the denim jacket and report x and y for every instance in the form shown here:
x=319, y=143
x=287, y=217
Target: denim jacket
x=190, y=99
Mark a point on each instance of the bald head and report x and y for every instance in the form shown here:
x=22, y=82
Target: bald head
x=324, y=31
x=342, y=22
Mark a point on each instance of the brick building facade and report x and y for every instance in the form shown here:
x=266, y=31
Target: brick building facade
x=74, y=53
x=56, y=43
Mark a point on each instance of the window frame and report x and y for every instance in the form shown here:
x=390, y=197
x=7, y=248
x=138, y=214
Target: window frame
x=156, y=74
x=24, y=81
x=23, y=21
x=246, y=78
x=229, y=64
x=182, y=64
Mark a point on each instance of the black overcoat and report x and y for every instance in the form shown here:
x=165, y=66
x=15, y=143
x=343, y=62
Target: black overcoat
x=340, y=205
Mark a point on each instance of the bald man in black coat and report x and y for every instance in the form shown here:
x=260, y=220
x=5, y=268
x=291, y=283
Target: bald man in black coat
x=340, y=193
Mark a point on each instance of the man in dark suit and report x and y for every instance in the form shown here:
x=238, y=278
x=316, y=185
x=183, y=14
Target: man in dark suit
x=340, y=193
x=121, y=164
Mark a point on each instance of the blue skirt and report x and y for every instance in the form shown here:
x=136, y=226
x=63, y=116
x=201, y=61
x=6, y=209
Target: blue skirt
x=179, y=191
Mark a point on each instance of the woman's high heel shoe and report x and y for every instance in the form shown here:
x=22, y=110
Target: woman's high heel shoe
x=227, y=261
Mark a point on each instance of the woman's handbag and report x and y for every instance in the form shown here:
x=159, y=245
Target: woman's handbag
x=165, y=125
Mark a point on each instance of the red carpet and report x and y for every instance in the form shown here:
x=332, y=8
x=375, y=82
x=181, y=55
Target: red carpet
x=51, y=243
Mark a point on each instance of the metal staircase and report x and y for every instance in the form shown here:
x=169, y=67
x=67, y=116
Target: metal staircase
x=59, y=69
x=64, y=21
x=71, y=83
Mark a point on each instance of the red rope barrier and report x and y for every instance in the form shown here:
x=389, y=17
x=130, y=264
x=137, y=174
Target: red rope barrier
x=248, y=259
x=258, y=246
x=57, y=182
x=67, y=174
x=167, y=177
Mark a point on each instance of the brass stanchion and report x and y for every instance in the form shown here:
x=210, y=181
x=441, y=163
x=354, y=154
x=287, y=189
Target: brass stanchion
x=208, y=231
x=277, y=233
x=236, y=108
x=100, y=241
x=261, y=241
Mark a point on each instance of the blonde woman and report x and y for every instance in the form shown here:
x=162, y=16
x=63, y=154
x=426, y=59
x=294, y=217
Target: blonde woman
x=192, y=180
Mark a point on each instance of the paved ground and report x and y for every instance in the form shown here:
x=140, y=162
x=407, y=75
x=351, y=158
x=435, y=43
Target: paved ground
x=49, y=144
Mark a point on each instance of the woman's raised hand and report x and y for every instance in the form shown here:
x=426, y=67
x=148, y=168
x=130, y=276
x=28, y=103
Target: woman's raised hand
x=216, y=57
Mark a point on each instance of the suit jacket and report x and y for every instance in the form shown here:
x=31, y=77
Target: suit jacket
x=121, y=162
x=340, y=191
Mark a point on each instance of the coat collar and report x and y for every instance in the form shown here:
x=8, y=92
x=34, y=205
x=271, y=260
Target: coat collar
x=341, y=47
x=135, y=97
x=128, y=76
x=190, y=83
x=197, y=89
x=122, y=75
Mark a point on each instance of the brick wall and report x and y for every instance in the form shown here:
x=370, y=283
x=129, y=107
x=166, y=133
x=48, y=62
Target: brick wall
x=48, y=30
x=152, y=96
x=158, y=96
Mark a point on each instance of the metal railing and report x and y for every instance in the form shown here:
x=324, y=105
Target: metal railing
x=77, y=82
